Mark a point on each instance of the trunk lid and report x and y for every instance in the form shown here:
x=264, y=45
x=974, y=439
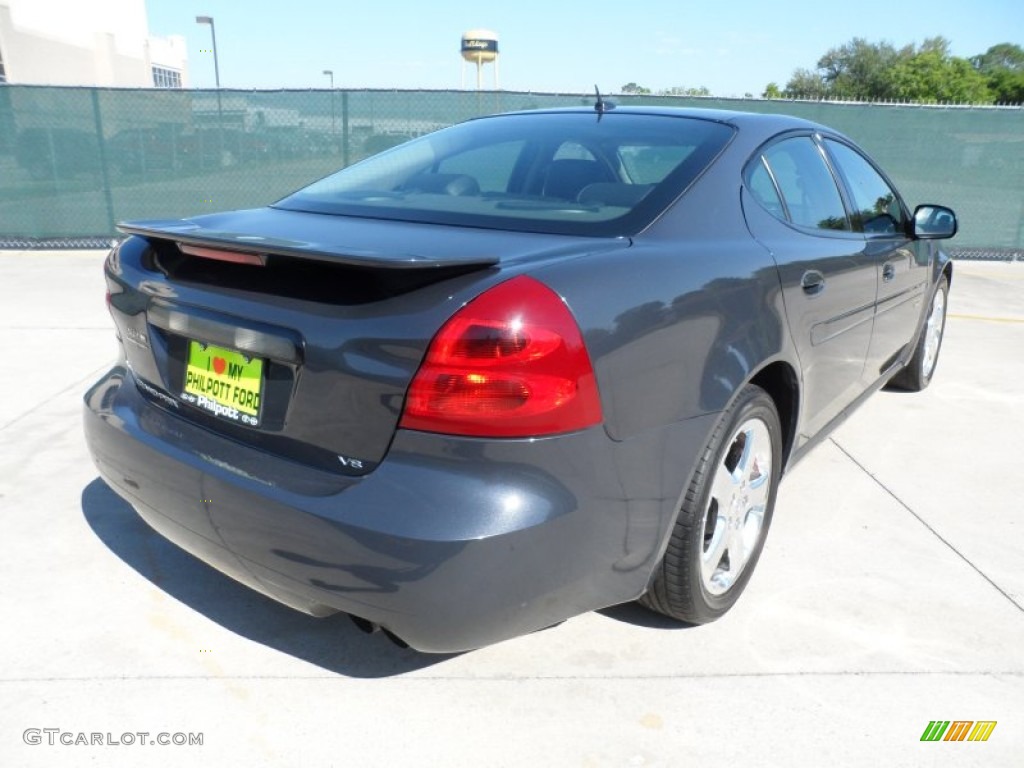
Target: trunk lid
x=319, y=336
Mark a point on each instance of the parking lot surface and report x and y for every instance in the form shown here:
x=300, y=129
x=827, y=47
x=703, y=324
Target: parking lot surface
x=890, y=594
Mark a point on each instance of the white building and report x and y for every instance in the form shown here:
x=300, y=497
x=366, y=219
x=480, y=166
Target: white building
x=75, y=42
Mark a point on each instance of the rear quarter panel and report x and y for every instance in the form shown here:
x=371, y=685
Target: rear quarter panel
x=679, y=322
x=675, y=326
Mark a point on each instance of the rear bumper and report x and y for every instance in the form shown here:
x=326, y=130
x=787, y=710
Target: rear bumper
x=450, y=543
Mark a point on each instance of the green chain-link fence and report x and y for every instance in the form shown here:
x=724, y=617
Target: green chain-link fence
x=74, y=161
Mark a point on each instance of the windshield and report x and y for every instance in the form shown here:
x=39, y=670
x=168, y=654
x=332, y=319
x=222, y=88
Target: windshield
x=563, y=173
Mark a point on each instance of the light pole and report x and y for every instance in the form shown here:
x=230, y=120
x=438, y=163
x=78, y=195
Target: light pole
x=213, y=35
x=330, y=74
x=216, y=75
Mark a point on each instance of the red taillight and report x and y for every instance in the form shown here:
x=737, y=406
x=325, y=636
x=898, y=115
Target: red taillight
x=511, y=363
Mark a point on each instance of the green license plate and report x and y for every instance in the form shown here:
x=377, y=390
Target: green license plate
x=224, y=382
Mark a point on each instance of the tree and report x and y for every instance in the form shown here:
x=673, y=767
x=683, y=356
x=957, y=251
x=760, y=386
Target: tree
x=804, y=84
x=867, y=71
x=1003, y=67
x=938, y=44
x=633, y=88
x=933, y=77
x=678, y=90
x=860, y=70
x=771, y=91
x=1006, y=86
x=1002, y=56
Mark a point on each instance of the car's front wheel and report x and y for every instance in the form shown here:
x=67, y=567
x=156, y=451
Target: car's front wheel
x=919, y=371
x=724, y=515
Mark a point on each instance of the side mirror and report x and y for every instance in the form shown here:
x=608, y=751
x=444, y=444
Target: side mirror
x=934, y=222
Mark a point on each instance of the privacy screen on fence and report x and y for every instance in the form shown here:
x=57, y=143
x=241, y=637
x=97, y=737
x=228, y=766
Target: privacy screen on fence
x=74, y=161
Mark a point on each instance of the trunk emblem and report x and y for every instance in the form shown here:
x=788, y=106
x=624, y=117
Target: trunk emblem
x=136, y=336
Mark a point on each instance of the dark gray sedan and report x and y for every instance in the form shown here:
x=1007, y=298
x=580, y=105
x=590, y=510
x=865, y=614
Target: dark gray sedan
x=522, y=368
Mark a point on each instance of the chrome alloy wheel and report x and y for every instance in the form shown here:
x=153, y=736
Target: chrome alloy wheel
x=734, y=517
x=933, y=333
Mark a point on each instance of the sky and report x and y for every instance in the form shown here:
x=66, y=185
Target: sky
x=732, y=47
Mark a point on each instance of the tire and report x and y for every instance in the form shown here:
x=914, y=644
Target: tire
x=919, y=371
x=724, y=516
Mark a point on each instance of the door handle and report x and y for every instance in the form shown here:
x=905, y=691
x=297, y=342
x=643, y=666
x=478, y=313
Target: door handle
x=888, y=272
x=813, y=282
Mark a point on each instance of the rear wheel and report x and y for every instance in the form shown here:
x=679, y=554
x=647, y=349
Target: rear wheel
x=918, y=373
x=724, y=516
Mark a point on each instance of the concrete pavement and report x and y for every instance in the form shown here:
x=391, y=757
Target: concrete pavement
x=890, y=594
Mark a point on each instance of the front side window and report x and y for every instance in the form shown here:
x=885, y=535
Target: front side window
x=557, y=172
x=877, y=207
x=807, y=186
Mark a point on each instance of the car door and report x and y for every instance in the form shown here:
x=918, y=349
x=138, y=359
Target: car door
x=901, y=265
x=828, y=281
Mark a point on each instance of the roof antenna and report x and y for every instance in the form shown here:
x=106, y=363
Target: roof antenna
x=601, y=106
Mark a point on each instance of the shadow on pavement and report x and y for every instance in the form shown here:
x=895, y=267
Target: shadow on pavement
x=333, y=643
x=637, y=615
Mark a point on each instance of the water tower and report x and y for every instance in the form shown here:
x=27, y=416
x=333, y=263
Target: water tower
x=480, y=46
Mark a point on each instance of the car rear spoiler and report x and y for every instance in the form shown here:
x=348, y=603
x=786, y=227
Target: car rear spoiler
x=191, y=233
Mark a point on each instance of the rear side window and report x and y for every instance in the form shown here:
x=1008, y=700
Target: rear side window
x=763, y=189
x=807, y=186
x=877, y=206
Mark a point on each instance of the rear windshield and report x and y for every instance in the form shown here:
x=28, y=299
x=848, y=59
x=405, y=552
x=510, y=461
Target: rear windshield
x=562, y=173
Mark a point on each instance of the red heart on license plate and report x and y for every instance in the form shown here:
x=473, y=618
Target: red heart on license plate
x=219, y=364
